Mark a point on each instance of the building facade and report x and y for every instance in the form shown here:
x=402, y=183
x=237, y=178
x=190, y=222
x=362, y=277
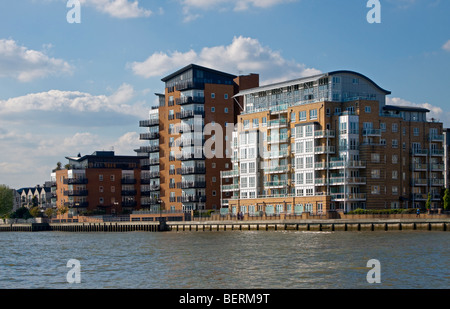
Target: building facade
x=330, y=143
x=100, y=183
x=196, y=105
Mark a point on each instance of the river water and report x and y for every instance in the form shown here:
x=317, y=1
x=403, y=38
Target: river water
x=226, y=260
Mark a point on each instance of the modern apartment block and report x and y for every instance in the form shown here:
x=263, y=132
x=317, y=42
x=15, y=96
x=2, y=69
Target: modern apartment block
x=330, y=143
x=196, y=105
x=102, y=182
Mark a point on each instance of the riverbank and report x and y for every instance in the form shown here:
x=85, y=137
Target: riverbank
x=434, y=224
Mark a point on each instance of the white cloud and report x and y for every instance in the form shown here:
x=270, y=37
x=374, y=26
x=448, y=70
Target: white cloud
x=26, y=65
x=446, y=46
x=190, y=6
x=436, y=113
x=75, y=101
x=118, y=8
x=243, y=55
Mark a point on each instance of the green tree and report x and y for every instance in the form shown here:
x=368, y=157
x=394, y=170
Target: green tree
x=58, y=166
x=49, y=212
x=34, y=212
x=6, y=200
x=21, y=213
x=446, y=199
x=428, y=204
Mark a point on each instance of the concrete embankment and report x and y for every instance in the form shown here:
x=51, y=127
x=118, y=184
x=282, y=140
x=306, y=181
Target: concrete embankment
x=204, y=226
x=313, y=225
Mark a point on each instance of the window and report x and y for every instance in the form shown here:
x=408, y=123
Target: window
x=100, y=189
x=214, y=193
x=394, y=143
x=416, y=131
x=394, y=127
x=302, y=116
x=313, y=114
x=394, y=190
x=101, y=200
x=213, y=95
x=225, y=96
x=100, y=177
x=309, y=179
x=213, y=179
x=293, y=116
x=394, y=159
x=246, y=124
x=213, y=109
x=375, y=158
x=226, y=110
x=383, y=127
x=264, y=121
x=375, y=174
x=112, y=177
x=394, y=174
x=368, y=109
x=255, y=123
x=113, y=189
x=213, y=165
x=375, y=190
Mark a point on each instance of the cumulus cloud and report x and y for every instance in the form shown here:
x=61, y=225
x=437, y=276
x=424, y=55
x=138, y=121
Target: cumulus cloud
x=75, y=101
x=243, y=55
x=118, y=8
x=436, y=112
x=190, y=6
x=26, y=64
x=446, y=46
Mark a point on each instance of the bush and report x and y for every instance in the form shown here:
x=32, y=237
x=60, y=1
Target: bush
x=21, y=213
x=360, y=211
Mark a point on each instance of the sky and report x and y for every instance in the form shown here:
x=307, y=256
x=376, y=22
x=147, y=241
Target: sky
x=69, y=88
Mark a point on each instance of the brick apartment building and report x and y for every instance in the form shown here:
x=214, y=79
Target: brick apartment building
x=330, y=143
x=183, y=177
x=102, y=183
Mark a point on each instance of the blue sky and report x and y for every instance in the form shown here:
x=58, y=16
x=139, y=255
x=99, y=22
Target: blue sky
x=77, y=88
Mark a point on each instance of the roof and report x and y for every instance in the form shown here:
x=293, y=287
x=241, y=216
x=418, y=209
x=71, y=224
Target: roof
x=405, y=109
x=309, y=79
x=194, y=66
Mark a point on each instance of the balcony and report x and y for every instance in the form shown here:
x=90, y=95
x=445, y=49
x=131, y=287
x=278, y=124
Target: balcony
x=344, y=164
x=75, y=181
x=371, y=132
x=325, y=150
x=436, y=138
x=229, y=188
x=417, y=167
x=129, y=204
x=129, y=192
x=419, y=197
x=340, y=181
x=191, y=170
x=419, y=182
x=277, y=123
x=128, y=181
x=149, y=149
x=284, y=138
x=276, y=154
x=149, y=136
x=149, y=123
x=437, y=182
x=230, y=174
x=155, y=187
x=191, y=185
x=419, y=152
x=190, y=114
x=276, y=169
x=437, y=152
x=325, y=134
x=149, y=162
x=350, y=197
x=190, y=100
x=276, y=184
x=191, y=156
x=437, y=167
x=76, y=193
x=191, y=199
x=77, y=204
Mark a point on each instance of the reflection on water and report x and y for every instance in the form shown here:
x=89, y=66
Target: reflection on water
x=226, y=260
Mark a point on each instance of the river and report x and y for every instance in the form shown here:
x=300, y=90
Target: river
x=226, y=260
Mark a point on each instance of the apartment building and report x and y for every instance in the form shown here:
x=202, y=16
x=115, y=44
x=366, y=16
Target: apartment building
x=330, y=143
x=195, y=108
x=102, y=182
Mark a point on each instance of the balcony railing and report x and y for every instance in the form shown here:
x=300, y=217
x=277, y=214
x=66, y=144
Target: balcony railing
x=419, y=152
x=76, y=193
x=277, y=169
x=272, y=184
x=229, y=174
x=437, y=152
x=325, y=134
x=234, y=187
x=191, y=199
x=325, y=149
x=283, y=138
x=435, y=138
x=75, y=181
x=129, y=192
x=128, y=181
x=149, y=136
x=77, y=204
x=277, y=123
x=190, y=114
x=149, y=149
x=191, y=184
x=190, y=100
x=191, y=170
x=148, y=123
x=371, y=132
x=340, y=197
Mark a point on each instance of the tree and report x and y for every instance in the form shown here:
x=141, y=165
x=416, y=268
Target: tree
x=49, y=212
x=6, y=199
x=428, y=204
x=58, y=166
x=446, y=199
x=34, y=211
